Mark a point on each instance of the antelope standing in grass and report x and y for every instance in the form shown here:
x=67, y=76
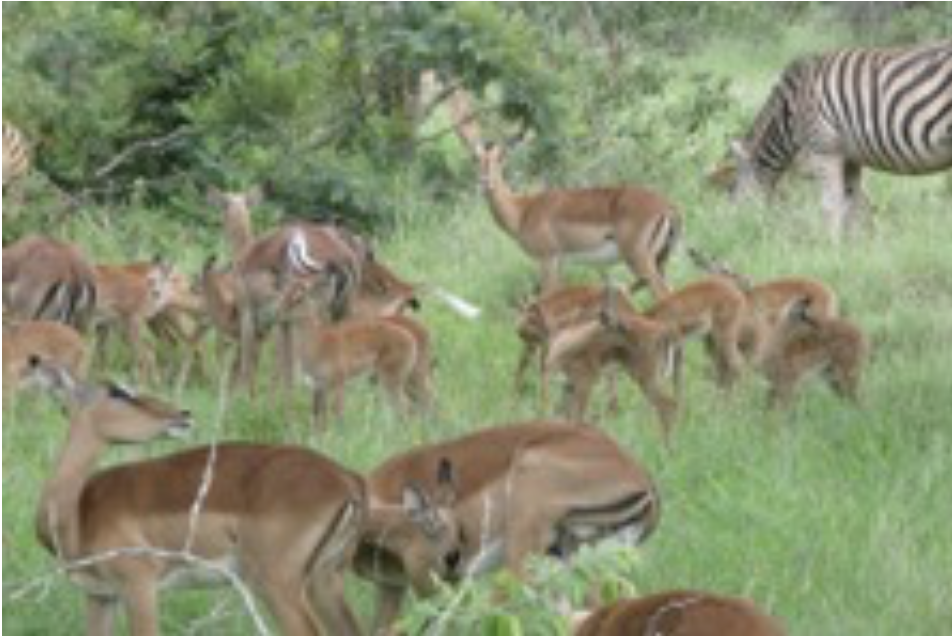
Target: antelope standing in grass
x=394, y=350
x=834, y=348
x=535, y=488
x=680, y=613
x=128, y=297
x=600, y=226
x=644, y=349
x=48, y=279
x=53, y=341
x=236, y=216
x=712, y=308
x=283, y=519
x=772, y=303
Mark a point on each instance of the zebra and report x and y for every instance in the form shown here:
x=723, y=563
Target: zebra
x=885, y=109
x=16, y=154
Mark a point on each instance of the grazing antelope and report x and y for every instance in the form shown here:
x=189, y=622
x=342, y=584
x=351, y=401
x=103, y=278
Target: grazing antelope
x=771, y=303
x=600, y=226
x=286, y=520
x=543, y=318
x=53, y=341
x=643, y=348
x=680, y=613
x=48, y=279
x=535, y=488
x=712, y=308
x=836, y=348
x=381, y=293
x=129, y=296
x=267, y=267
x=395, y=350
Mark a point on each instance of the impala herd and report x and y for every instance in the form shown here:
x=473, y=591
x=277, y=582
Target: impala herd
x=291, y=522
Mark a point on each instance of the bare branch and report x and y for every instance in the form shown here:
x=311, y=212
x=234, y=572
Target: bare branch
x=154, y=144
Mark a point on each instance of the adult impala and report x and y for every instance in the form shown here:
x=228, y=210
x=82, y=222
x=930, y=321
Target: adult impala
x=601, y=226
x=285, y=520
x=534, y=488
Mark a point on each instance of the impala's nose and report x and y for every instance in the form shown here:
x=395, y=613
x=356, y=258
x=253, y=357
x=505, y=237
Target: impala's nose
x=452, y=560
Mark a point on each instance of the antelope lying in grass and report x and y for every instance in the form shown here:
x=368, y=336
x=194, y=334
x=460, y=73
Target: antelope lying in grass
x=535, y=488
x=644, y=349
x=394, y=350
x=835, y=348
x=680, y=613
x=48, y=279
x=128, y=297
x=285, y=520
x=53, y=341
x=600, y=226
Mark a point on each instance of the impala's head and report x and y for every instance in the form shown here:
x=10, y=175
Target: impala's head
x=235, y=206
x=491, y=157
x=382, y=293
x=116, y=414
x=161, y=280
x=437, y=546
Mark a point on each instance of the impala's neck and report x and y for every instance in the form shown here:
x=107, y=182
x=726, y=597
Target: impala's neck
x=238, y=229
x=58, y=515
x=503, y=202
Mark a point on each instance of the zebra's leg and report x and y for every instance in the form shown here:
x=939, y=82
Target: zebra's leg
x=857, y=204
x=830, y=171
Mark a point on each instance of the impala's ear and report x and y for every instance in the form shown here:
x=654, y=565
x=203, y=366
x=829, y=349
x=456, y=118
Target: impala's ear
x=445, y=483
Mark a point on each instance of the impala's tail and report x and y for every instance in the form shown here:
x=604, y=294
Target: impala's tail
x=459, y=305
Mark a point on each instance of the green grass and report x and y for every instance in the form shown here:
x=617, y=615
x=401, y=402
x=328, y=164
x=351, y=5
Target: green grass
x=835, y=519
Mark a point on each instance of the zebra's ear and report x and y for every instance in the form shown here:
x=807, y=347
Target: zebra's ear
x=739, y=151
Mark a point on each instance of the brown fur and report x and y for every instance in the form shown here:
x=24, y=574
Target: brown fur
x=680, y=613
x=48, y=279
x=534, y=476
x=52, y=341
x=714, y=309
x=833, y=347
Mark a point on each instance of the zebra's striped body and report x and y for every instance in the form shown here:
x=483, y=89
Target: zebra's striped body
x=16, y=153
x=887, y=109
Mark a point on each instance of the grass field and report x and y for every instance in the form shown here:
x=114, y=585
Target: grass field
x=834, y=518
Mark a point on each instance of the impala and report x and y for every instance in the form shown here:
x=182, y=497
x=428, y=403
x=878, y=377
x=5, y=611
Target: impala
x=835, y=348
x=128, y=297
x=712, y=308
x=643, y=348
x=236, y=216
x=48, y=279
x=680, y=613
x=267, y=267
x=284, y=520
x=535, y=488
x=394, y=350
x=600, y=226
x=772, y=302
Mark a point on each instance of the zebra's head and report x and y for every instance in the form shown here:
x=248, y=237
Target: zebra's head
x=750, y=180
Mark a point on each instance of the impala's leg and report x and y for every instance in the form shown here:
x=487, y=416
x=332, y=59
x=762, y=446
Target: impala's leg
x=612, y=390
x=331, y=605
x=550, y=274
x=527, y=534
x=664, y=405
x=142, y=605
x=145, y=360
x=319, y=409
x=578, y=394
x=285, y=596
x=722, y=344
x=644, y=266
x=100, y=615
x=249, y=345
x=844, y=380
x=529, y=351
x=783, y=382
